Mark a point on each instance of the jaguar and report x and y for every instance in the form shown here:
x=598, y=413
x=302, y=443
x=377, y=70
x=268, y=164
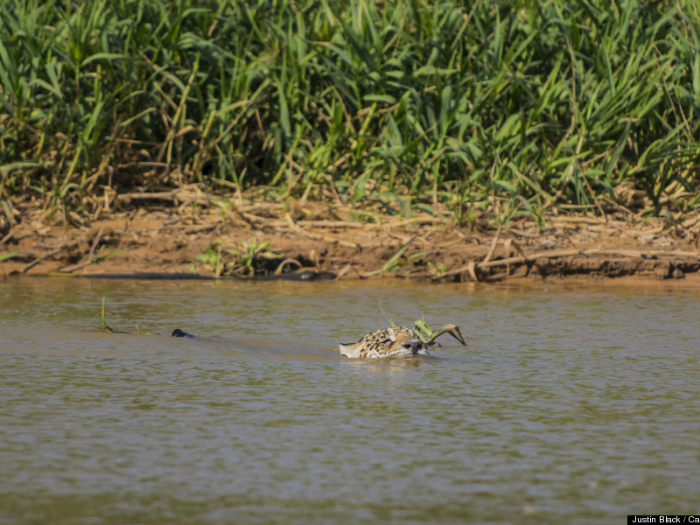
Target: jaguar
x=386, y=342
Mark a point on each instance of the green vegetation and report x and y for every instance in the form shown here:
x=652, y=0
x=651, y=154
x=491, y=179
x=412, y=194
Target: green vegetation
x=212, y=258
x=247, y=259
x=101, y=317
x=428, y=335
x=103, y=320
x=9, y=255
x=509, y=107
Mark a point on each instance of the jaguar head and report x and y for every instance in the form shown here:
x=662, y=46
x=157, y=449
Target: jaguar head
x=387, y=342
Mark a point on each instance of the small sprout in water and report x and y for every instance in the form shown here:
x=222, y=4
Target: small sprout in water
x=139, y=331
x=390, y=321
x=101, y=317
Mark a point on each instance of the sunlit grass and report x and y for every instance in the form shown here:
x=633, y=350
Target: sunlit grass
x=513, y=108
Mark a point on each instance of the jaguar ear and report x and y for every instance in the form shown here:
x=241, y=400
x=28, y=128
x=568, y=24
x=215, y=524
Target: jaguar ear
x=350, y=350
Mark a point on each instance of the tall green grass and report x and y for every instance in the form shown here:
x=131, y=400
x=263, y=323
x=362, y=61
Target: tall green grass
x=535, y=103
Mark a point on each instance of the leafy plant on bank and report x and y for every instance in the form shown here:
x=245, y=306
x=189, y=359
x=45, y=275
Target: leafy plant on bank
x=511, y=108
x=249, y=258
x=211, y=257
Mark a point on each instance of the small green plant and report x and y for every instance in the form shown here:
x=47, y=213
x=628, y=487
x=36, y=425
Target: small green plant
x=9, y=255
x=139, y=331
x=436, y=269
x=211, y=257
x=101, y=317
x=99, y=256
x=225, y=207
x=388, y=320
x=247, y=257
x=248, y=253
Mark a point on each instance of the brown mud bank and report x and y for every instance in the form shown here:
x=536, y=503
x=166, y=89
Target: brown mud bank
x=252, y=240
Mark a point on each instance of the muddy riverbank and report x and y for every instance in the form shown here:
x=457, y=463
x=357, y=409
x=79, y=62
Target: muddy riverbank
x=193, y=233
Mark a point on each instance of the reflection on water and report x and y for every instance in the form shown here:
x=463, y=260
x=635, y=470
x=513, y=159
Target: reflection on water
x=570, y=406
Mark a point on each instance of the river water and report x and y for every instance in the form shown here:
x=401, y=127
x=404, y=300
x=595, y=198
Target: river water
x=570, y=405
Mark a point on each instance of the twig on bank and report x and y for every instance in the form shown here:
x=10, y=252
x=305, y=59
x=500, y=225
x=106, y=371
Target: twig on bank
x=168, y=196
x=331, y=224
x=91, y=254
x=317, y=236
x=346, y=270
x=95, y=259
x=280, y=268
x=555, y=254
x=580, y=220
x=493, y=246
x=76, y=268
x=391, y=262
x=199, y=228
x=47, y=256
x=8, y=236
x=643, y=254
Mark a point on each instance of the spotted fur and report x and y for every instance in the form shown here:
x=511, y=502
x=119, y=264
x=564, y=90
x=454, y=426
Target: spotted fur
x=387, y=342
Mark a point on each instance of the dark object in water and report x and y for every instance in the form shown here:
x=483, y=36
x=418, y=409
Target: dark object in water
x=180, y=333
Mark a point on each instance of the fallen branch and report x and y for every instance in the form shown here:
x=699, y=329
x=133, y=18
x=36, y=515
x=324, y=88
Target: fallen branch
x=493, y=246
x=317, y=236
x=199, y=228
x=174, y=197
x=8, y=236
x=47, y=256
x=389, y=265
x=555, y=254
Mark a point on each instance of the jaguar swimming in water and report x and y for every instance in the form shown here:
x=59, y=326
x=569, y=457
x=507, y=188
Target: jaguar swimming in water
x=387, y=342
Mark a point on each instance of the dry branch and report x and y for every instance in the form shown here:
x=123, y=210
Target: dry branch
x=47, y=256
x=555, y=254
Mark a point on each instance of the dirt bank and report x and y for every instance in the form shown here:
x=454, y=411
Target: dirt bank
x=167, y=232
